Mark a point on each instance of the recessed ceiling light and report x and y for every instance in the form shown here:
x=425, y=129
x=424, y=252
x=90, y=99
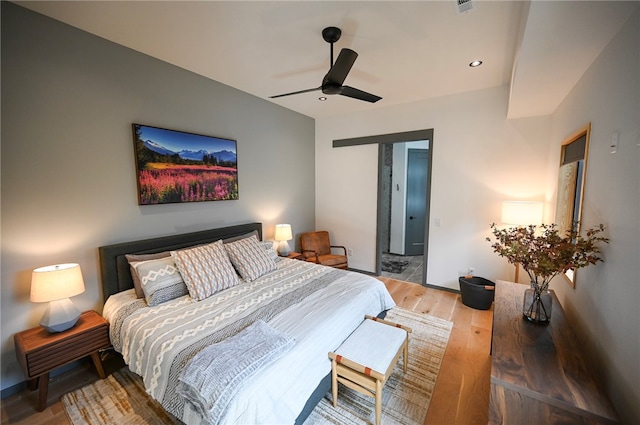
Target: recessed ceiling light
x=322, y=98
x=475, y=64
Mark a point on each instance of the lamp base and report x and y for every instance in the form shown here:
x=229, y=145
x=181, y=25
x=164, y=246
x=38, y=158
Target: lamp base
x=283, y=249
x=60, y=316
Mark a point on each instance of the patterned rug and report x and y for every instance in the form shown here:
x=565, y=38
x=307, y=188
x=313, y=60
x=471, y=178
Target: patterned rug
x=394, y=266
x=121, y=398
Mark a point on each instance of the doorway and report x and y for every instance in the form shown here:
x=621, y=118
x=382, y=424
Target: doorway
x=385, y=237
x=403, y=206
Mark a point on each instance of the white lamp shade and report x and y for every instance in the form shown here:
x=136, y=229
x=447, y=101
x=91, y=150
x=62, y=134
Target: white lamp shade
x=283, y=232
x=56, y=282
x=522, y=213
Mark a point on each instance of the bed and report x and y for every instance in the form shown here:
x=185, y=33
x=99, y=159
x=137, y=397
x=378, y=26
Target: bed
x=316, y=306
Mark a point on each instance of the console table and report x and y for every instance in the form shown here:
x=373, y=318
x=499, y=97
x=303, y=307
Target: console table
x=538, y=372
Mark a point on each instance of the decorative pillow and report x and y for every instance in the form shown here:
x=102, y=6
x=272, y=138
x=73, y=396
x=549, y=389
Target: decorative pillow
x=250, y=258
x=161, y=280
x=135, y=258
x=205, y=269
x=271, y=250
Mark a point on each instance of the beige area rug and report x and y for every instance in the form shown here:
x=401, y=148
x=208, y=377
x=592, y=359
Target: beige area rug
x=121, y=398
x=405, y=396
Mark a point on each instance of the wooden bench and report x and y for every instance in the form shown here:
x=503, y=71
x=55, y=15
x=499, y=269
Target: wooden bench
x=366, y=358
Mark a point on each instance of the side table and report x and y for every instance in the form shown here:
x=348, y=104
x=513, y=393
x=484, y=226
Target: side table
x=39, y=352
x=294, y=256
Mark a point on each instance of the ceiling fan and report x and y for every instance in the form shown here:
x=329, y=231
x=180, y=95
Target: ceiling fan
x=338, y=71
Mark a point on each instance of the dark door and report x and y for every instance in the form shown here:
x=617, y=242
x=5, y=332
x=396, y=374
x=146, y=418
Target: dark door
x=418, y=159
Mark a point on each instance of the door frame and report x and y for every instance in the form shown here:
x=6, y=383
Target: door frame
x=381, y=140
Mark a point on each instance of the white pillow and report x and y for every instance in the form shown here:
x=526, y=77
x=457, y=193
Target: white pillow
x=205, y=269
x=160, y=280
x=250, y=258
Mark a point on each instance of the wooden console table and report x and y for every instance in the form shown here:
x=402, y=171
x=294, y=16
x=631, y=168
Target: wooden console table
x=538, y=372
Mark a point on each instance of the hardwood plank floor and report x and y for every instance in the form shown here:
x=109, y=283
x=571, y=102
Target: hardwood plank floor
x=460, y=397
x=461, y=394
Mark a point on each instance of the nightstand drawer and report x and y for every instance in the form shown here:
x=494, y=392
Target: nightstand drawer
x=65, y=351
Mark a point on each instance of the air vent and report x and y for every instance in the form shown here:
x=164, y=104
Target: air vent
x=464, y=5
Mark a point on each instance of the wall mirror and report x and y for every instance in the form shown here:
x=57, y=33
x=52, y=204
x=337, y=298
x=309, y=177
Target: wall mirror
x=574, y=152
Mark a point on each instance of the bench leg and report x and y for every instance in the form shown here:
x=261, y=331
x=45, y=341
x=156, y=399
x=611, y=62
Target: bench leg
x=334, y=382
x=378, y=401
x=405, y=354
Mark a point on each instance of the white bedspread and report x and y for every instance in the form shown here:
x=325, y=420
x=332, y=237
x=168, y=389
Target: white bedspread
x=319, y=324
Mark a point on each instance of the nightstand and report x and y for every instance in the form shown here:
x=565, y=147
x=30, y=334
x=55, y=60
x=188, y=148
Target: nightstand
x=39, y=352
x=294, y=256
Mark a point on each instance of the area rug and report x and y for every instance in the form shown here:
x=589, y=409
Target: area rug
x=394, y=266
x=121, y=398
x=406, y=395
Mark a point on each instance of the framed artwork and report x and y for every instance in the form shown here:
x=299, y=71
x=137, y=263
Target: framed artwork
x=176, y=167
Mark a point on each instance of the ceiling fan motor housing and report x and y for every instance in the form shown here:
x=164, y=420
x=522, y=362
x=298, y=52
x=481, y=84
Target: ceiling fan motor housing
x=331, y=34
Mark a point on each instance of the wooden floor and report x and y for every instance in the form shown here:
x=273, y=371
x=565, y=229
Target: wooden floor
x=461, y=394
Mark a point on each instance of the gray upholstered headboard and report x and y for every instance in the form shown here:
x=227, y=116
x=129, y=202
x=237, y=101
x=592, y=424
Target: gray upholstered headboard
x=114, y=268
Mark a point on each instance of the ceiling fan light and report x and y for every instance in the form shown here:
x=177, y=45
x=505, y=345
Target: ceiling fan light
x=322, y=98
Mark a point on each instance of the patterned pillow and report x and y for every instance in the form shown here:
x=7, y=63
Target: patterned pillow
x=205, y=269
x=160, y=280
x=135, y=258
x=271, y=250
x=250, y=258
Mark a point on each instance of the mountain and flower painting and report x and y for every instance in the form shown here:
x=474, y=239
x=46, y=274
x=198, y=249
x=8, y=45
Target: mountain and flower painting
x=175, y=167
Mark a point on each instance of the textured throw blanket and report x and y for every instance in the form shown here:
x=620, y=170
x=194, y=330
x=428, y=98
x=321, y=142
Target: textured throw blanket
x=214, y=375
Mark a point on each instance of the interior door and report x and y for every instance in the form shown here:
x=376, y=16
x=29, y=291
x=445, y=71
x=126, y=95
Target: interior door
x=416, y=204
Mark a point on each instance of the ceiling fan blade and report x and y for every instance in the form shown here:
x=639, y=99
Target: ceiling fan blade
x=295, y=92
x=359, y=94
x=341, y=68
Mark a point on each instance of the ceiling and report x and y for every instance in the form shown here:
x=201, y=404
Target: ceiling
x=408, y=51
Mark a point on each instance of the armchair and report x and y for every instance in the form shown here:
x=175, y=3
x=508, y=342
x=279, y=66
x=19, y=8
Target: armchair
x=316, y=248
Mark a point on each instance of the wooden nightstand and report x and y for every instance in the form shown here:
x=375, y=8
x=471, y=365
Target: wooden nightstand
x=294, y=256
x=39, y=352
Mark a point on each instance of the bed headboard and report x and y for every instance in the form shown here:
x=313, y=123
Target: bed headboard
x=114, y=267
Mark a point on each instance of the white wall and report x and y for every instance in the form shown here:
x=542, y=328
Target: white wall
x=606, y=300
x=68, y=180
x=479, y=159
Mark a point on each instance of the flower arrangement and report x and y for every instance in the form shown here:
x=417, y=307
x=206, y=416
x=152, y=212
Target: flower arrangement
x=547, y=254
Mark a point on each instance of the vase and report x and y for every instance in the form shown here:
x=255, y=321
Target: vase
x=537, y=305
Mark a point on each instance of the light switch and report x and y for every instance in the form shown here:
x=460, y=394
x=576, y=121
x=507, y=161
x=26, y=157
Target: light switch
x=615, y=138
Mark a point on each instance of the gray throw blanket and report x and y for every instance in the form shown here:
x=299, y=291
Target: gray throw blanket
x=214, y=375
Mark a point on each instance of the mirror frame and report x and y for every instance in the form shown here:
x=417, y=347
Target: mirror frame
x=574, y=155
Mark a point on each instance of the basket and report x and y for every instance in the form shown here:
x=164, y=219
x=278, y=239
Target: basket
x=476, y=292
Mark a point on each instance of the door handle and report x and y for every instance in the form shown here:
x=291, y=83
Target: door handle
x=411, y=217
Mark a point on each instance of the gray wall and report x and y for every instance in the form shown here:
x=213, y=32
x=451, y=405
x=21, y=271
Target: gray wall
x=605, y=302
x=68, y=181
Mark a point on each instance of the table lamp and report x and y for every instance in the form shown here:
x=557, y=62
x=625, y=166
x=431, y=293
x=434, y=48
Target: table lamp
x=521, y=214
x=55, y=284
x=283, y=234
